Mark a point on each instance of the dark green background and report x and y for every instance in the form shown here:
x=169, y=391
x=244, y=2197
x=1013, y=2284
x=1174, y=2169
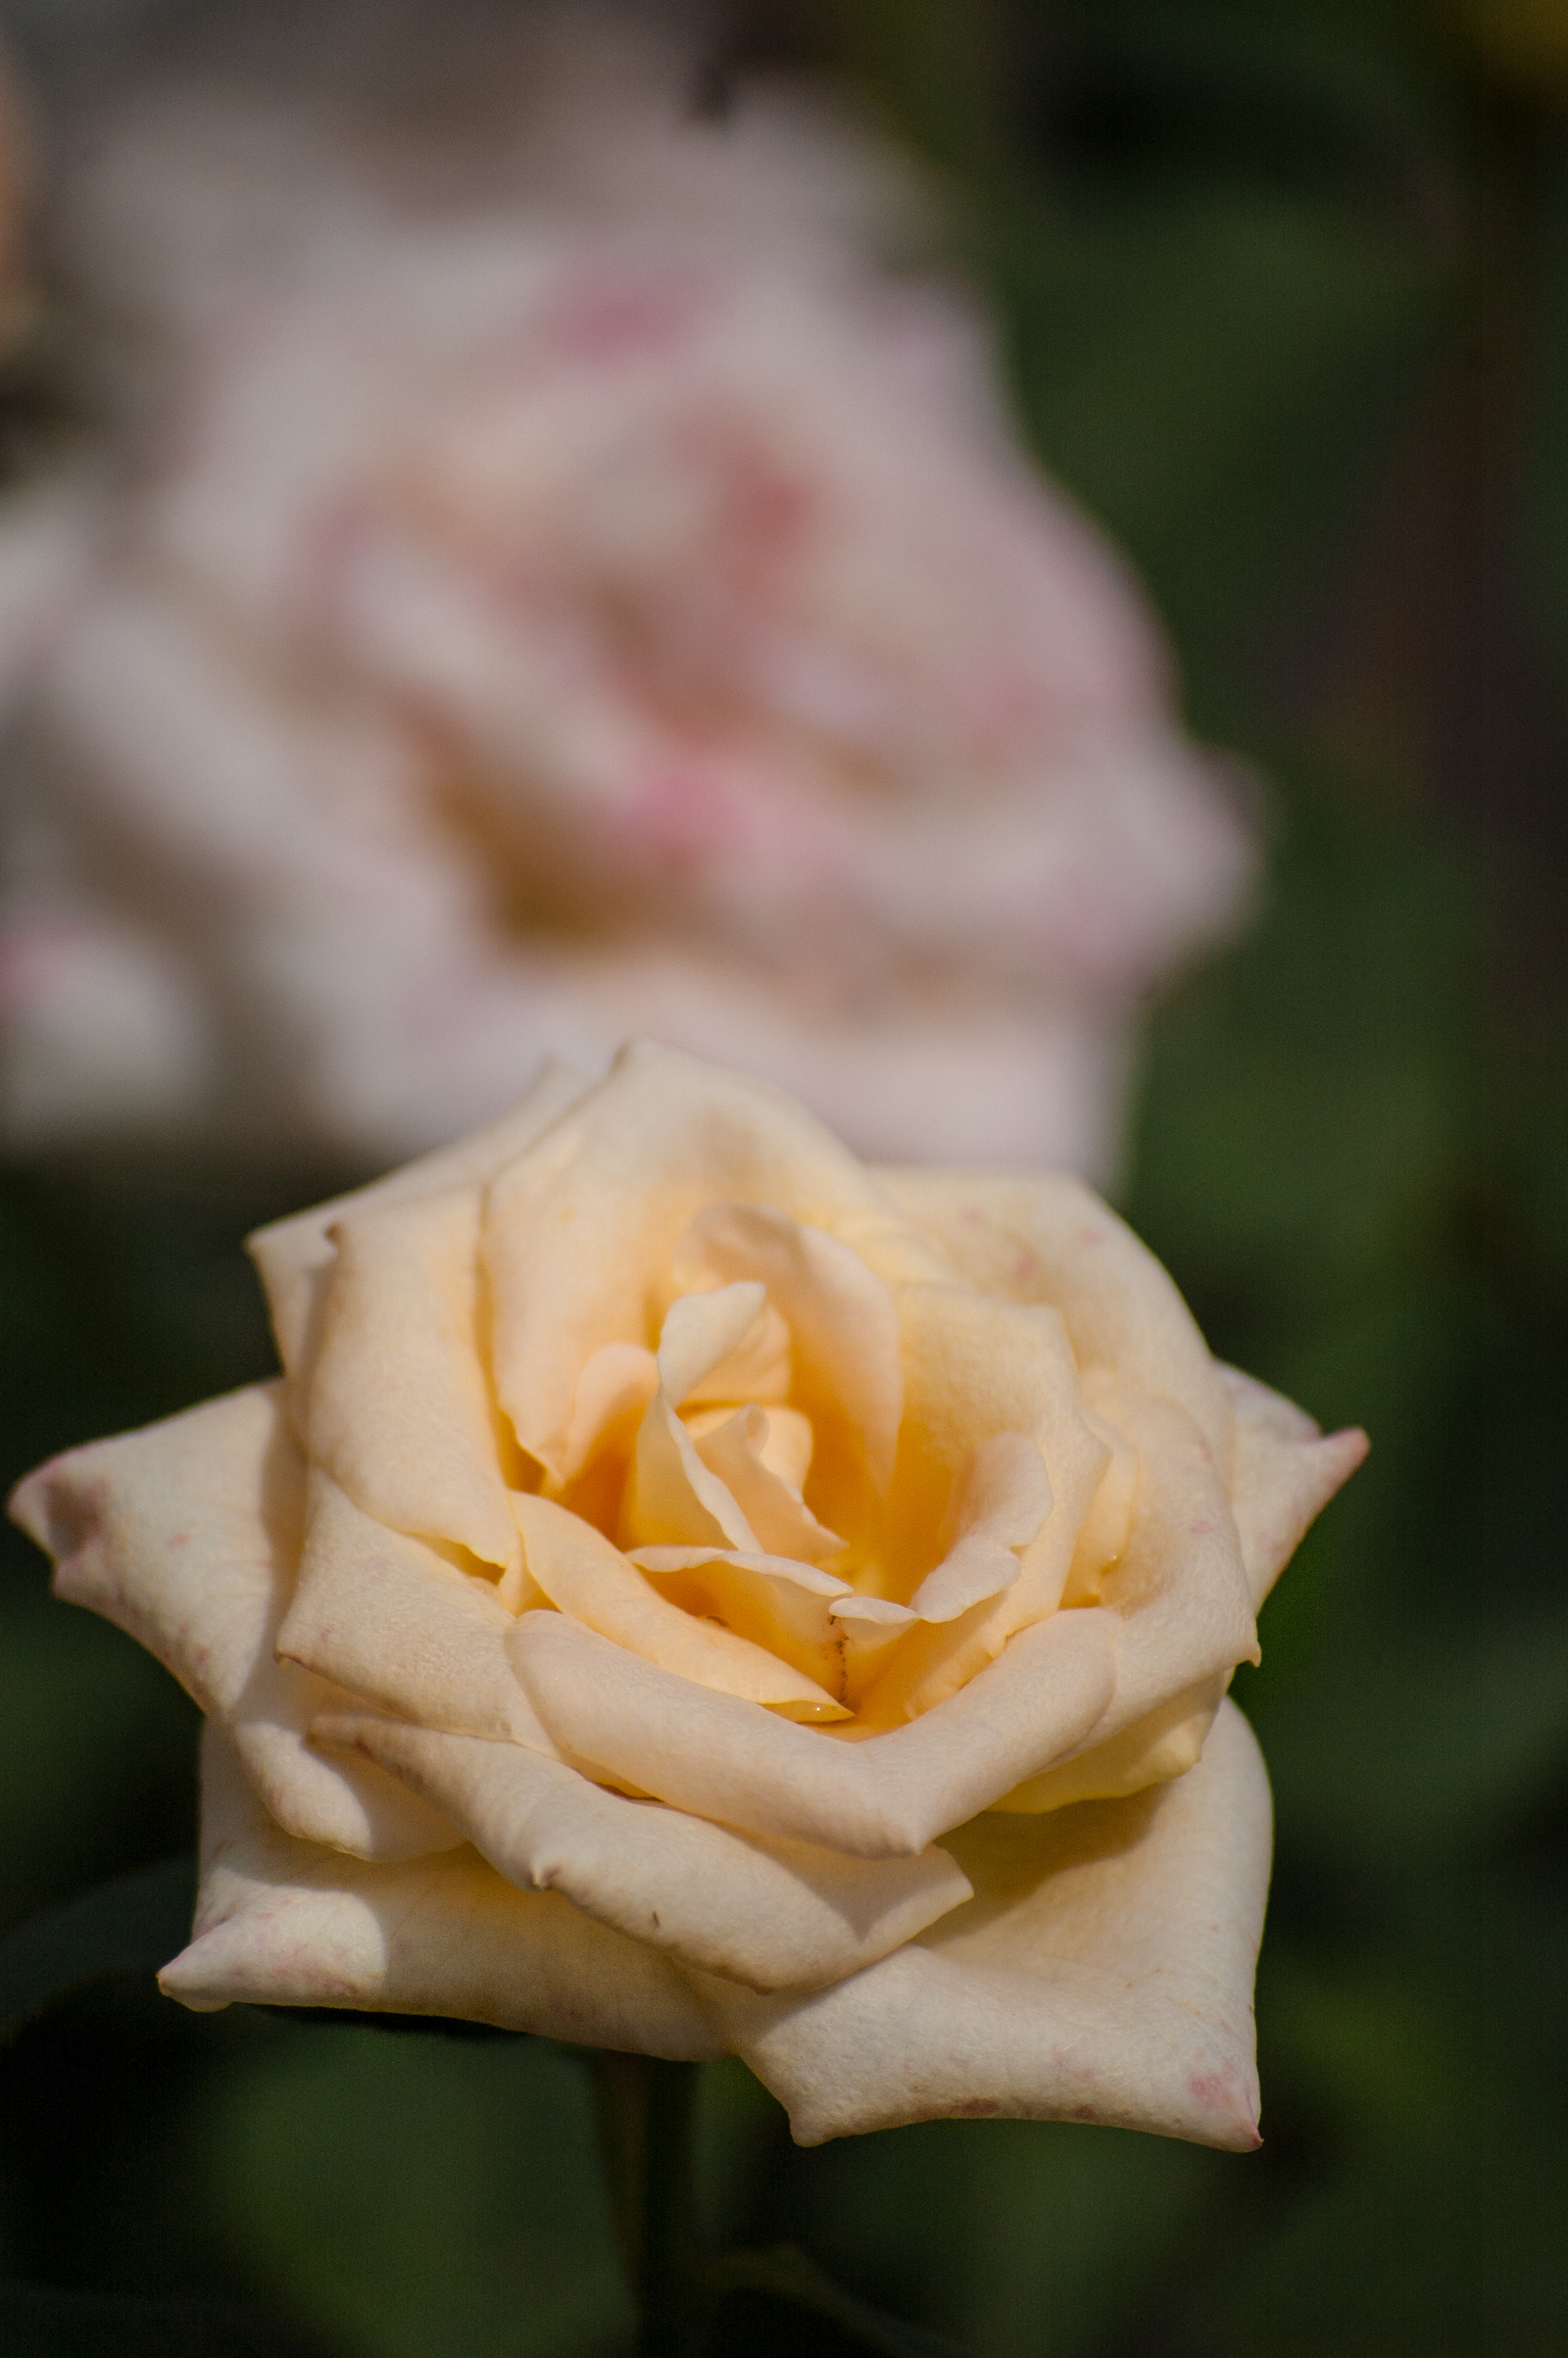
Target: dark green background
x=1284, y=296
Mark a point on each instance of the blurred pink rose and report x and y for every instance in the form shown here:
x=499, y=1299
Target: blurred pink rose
x=540, y=616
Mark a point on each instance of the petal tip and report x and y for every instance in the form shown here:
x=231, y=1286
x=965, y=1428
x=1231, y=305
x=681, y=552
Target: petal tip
x=1224, y=2099
x=53, y=1510
x=186, y=1985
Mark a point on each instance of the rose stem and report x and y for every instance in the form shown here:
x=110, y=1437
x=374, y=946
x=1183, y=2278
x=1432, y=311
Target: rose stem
x=647, y=2119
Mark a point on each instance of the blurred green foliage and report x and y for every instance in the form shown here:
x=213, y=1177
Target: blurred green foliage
x=1239, y=259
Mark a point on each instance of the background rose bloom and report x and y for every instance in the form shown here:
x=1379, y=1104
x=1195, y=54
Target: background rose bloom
x=616, y=602
x=670, y=1528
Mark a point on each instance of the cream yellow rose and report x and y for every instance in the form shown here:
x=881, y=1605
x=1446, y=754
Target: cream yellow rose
x=690, y=1593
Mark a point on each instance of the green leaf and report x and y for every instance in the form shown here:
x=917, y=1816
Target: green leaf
x=131, y=1926
x=770, y=2299
x=40, y=2321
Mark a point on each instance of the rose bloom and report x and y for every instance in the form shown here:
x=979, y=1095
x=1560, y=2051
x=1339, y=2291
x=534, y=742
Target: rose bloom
x=692, y=1592
x=534, y=617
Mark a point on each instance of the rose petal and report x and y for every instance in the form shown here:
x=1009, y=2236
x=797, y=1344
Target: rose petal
x=185, y=1535
x=700, y=1331
x=869, y=1628
x=1102, y=1536
x=396, y=1410
x=1050, y=1239
x=777, y=1916
x=616, y=1382
x=783, y=1523
x=756, y=1369
x=671, y=1496
x=282, y=1922
x=1181, y=1588
x=873, y=1612
x=294, y=1256
x=1003, y=1501
x=1102, y=1972
x=386, y=1616
x=1285, y=1473
x=576, y=1224
x=843, y=1323
x=973, y=1367
x=787, y=1606
x=781, y=1437
x=886, y=1797
x=936, y=1659
x=1164, y=1744
x=580, y=1571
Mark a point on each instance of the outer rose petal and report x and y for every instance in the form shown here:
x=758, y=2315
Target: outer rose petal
x=386, y=1617
x=398, y=1411
x=295, y=1256
x=1285, y=1473
x=1182, y=1590
x=186, y=1535
x=777, y=1916
x=1047, y=1238
x=1102, y=1972
x=282, y=1922
x=1165, y=1744
x=1180, y=1586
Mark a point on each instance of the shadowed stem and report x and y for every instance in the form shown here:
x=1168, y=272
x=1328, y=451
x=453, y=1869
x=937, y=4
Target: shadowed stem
x=647, y=2121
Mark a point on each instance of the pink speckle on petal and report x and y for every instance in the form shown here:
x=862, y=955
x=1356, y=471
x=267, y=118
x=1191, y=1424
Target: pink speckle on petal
x=1218, y=2091
x=977, y=2108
